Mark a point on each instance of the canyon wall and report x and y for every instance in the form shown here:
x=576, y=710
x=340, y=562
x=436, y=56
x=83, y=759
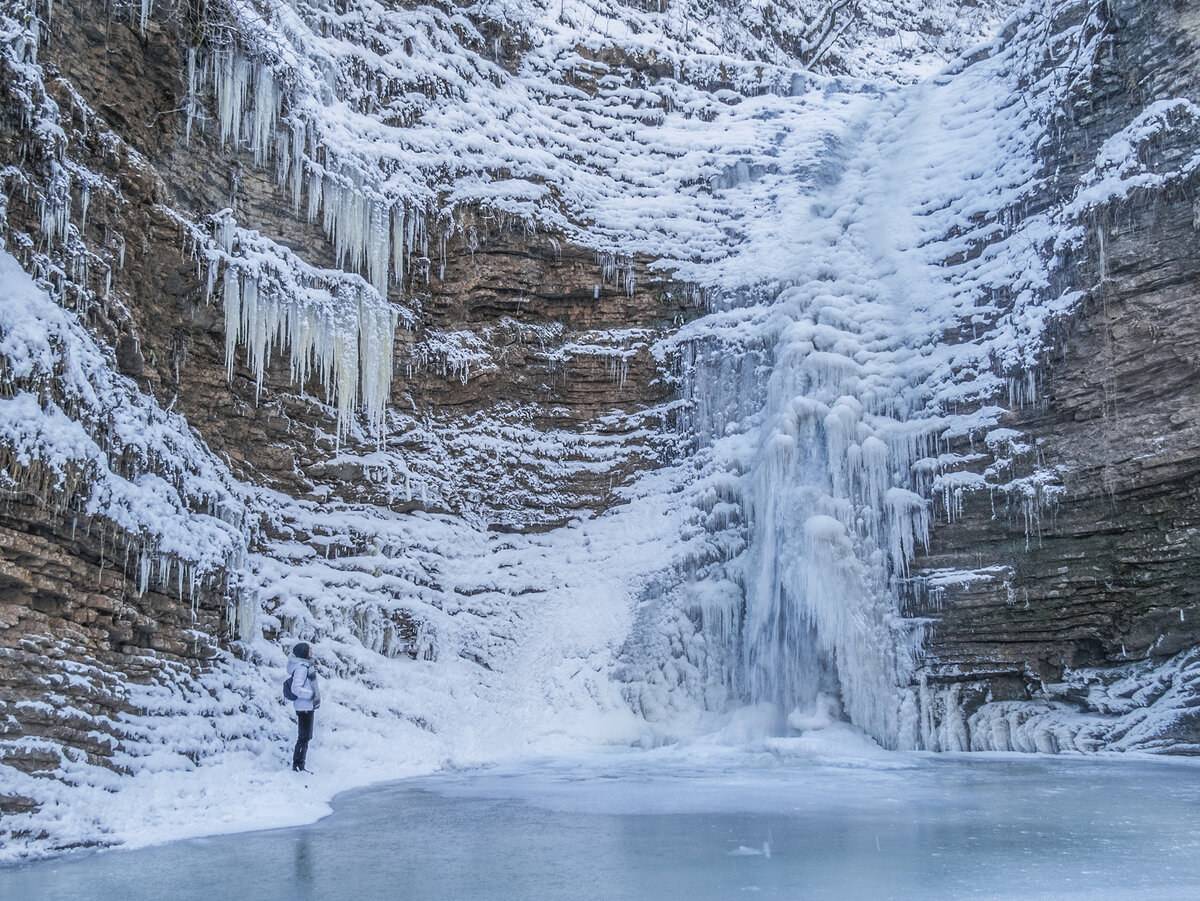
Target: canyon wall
x=1084, y=582
x=524, y=393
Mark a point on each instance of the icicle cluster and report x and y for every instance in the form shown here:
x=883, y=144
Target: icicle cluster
x=109, y=449
x=619, y=269
x=334, y=327
x=373, y=230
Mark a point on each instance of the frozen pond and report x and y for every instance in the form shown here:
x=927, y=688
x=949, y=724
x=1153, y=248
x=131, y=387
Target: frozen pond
x=698, y=826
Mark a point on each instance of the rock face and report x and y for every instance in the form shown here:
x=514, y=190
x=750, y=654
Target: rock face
x=523, y=394
x=511, y=321
x=1107, y=570
x=76, y=635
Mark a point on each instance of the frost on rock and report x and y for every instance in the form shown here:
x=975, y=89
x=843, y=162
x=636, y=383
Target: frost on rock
x=1138, y=707
x=74, y=430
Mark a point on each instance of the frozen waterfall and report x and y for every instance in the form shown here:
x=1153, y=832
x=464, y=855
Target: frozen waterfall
x=899, y=291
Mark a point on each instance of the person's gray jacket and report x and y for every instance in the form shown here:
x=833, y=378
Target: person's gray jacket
x=304, y=683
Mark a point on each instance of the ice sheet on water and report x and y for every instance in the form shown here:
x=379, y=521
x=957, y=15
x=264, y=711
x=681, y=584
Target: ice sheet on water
x=987, y=828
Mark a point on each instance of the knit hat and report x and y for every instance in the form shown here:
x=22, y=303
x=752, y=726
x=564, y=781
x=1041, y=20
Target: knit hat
x=301, y=650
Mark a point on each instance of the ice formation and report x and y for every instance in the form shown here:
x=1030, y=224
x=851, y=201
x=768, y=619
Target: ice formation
x=75, y=429
x=834, y=460
x=333, y=325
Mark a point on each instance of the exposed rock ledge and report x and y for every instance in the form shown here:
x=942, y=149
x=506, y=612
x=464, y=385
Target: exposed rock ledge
x=1080, y=604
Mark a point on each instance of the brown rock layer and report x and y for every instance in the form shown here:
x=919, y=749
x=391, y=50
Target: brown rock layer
x=557, y=350
x=1109, y=571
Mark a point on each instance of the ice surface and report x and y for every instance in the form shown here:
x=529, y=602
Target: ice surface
x=701, y=822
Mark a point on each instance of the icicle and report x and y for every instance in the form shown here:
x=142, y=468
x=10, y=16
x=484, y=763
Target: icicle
x=377, y=330
x=294, y=169
x=254, y=331
x=164, y=570
x=191, y=102
x=233, y=316
x=246, y=609
x=378, y=247
x=56, y=206
x=345, y=360
x=398, y=243
x=143, y=572
x=910, y=524
x=232, y=86
x=267, y=101
x=316, y=184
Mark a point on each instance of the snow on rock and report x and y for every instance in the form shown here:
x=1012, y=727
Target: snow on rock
x=382, y=123
x=1138, y=707
x=1143, y=155
x=100, y=442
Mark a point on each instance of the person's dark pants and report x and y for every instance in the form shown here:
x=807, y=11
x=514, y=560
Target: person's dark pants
x=304, y=720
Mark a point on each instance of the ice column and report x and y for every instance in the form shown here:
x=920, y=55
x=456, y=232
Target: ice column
x=831, y=525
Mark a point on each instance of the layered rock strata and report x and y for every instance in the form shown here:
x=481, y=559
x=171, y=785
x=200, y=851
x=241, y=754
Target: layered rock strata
x=1052, y=593
x=523, y=392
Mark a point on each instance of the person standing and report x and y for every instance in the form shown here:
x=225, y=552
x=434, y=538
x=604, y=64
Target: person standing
x=308, y=699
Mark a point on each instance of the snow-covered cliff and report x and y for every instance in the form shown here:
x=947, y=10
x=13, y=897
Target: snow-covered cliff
x=564, y=372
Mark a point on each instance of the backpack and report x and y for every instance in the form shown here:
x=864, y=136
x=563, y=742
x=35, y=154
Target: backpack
x=288, y=694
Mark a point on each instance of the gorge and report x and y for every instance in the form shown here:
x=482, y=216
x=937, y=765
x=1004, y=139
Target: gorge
x=586, y=372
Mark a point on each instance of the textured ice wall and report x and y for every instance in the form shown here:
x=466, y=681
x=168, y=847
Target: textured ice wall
x=904, y=289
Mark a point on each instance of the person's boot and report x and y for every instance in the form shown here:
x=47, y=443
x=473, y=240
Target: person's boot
x=298, y=756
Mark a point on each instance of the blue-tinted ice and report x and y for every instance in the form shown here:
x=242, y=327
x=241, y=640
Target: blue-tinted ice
x=721, y=825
